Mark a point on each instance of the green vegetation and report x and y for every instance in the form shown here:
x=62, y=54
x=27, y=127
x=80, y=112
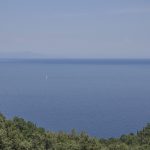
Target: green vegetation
x=18, y=134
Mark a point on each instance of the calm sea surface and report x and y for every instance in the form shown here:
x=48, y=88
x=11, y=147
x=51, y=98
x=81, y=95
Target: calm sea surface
x=105, y=98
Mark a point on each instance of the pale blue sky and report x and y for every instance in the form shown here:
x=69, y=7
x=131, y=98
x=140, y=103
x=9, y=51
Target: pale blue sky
x=75, y=28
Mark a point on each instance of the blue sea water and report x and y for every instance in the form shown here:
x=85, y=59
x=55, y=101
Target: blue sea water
x=105, y=98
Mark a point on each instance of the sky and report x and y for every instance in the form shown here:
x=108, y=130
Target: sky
x=74, y=28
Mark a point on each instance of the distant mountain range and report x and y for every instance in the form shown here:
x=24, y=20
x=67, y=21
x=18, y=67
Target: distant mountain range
x=16, y=54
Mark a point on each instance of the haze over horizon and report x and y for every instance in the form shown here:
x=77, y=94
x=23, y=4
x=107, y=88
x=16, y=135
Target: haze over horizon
x=75, y=29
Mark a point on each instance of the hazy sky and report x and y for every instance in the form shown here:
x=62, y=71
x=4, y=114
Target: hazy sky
x=75, y=28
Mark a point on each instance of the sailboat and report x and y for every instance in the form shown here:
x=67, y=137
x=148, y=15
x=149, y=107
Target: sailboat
x=46, y=77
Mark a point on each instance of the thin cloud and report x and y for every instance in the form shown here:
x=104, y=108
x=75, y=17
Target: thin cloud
x=131, y=11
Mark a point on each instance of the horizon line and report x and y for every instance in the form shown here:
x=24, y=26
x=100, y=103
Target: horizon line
x=97, y=61
x=41, y=58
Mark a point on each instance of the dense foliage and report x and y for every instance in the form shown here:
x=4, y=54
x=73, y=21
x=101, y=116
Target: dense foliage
x=17, y=134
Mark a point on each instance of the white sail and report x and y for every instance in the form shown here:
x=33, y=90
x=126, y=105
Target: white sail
x=46, y=77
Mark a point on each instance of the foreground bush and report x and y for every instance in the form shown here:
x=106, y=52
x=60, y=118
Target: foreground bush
x=18, y=134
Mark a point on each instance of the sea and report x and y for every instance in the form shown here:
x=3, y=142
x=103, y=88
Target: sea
x=103, y=97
